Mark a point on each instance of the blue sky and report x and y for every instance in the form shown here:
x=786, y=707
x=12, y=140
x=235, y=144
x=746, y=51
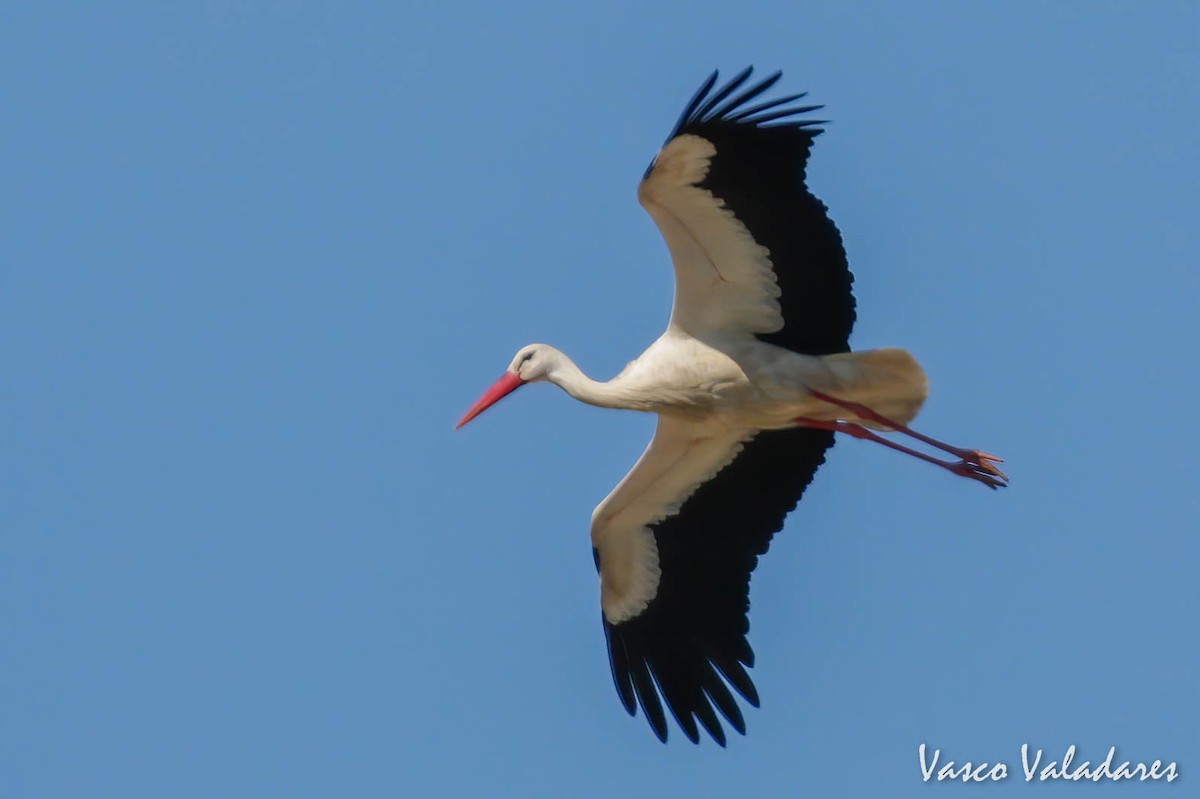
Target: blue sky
x=257, y=258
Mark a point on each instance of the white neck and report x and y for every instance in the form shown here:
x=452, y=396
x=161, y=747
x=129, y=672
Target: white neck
x=616, y=393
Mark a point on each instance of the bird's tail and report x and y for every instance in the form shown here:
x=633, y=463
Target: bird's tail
x=887, y=380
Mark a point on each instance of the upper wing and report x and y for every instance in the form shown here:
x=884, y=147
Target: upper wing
x=754, y=251
x=675, y=544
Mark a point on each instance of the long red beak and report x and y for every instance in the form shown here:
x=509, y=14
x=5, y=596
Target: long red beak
x=507, y=384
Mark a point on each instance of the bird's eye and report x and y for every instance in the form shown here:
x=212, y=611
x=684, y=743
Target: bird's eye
x=526, y=357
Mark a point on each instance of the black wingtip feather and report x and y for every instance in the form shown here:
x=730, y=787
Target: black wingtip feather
x=708, y=719
x=693, y=104
x=736, y=676
x=673, y=691
x=767, y=106
x=686, y=722
x=718, y=693
x=647, y=696
x=618, y=663
x=680, y=687
x=743, y=652
x=784, y=113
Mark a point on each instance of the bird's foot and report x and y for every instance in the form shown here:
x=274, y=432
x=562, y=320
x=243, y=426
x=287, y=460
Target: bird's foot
x=980, y=466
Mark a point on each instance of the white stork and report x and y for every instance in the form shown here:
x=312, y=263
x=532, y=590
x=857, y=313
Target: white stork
x=750, y=381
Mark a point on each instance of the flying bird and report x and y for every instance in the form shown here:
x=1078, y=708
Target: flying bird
x=751, y=380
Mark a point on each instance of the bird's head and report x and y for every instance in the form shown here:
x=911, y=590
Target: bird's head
x=532, y=363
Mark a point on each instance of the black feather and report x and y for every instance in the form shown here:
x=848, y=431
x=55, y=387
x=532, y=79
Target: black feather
x=767, y=106
x=647, y=696
x=693, y=104
x=788, y=112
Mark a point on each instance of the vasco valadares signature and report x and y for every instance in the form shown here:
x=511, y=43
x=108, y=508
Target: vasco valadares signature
x=1037, y=767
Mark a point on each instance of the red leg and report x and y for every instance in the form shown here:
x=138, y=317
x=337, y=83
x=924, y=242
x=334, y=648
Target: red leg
x=982, y=460
x=977, y=469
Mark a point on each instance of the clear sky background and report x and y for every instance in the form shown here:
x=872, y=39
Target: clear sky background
x=257, y=258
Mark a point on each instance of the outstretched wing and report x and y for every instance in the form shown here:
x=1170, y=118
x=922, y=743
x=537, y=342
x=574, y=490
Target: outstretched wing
x=675, y=544
x=755, y=252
